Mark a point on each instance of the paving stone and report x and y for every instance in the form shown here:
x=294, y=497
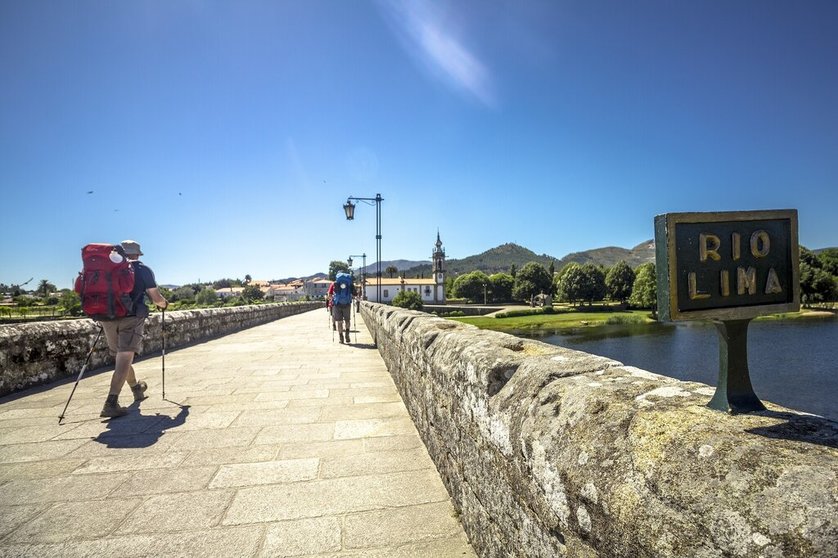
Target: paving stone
x=295, y=433
x=131, y=463
x=163, y=481
x=331, y=401
x=228, y=541
x=293, y=394
x=74, y=520
x=13, y=516
x=267, y=472
x=223, y=456
x=38, y=451
x=60, y=489
x=454, y=547
x=334, y=496
x=392, y=443
x=303, y=537
x=215, y=438
x=399, y=526
x=345, y=429
x=39, y=469
x=110, y=444
x=330, y=448
x=349, y=465
x=364, y=411
x=263, y=417
x=177, y=512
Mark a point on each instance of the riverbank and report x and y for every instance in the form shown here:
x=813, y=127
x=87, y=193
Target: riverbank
x=567, y=319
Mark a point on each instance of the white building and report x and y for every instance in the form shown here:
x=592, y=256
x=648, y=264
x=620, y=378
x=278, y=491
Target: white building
x=317, y=288
x=431, y=290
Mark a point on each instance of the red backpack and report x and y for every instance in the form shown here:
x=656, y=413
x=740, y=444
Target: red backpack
x=105, y=282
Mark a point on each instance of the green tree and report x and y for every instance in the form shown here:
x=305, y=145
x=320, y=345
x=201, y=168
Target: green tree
x=70, y=302
x=183, y=294
x=829, y=261
x=391, y=271
x=252, y=292
x=336, y=266
x=594, y=281
x=513, y=270
x=618, y=281
x=502, y=285
x=449, y=286
x=206, y=297
x=45, y=288
x=408, y=299
x=531, y=279
x=644, y=292
x=570, y=283
x=816, y=285
x=471, y=286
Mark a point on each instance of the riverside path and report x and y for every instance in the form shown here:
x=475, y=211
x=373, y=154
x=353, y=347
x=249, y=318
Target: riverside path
x=273, y=441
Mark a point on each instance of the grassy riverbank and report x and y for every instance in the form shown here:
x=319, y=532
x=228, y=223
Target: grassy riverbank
x=566, y=319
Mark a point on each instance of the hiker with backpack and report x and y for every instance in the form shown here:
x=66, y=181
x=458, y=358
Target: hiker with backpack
x=342, y=304
x=113, y=287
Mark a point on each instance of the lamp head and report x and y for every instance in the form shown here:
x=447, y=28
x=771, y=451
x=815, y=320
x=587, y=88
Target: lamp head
x=349, y=209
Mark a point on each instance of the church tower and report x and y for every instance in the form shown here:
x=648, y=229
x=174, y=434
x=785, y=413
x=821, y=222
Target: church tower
x=438, y=258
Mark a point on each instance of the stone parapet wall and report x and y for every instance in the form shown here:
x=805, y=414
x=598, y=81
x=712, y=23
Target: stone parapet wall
x=551, y=452
x=42, y=352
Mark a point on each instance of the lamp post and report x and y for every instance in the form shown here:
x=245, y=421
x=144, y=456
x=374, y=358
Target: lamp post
x=349, y=210
x=363, y=273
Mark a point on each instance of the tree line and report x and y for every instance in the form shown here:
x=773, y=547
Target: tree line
x=578, y=284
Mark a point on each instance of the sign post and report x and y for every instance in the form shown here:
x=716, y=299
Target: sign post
x=728, y=267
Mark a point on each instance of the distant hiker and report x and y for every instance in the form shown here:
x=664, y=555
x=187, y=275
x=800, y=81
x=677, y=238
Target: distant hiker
x=125, y=335
x=329, y=294
x=342, y=304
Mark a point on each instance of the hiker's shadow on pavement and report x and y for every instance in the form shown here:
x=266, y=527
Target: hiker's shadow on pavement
x=363, y=345
x=140, y=431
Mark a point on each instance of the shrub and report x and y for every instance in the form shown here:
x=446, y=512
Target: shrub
x=408, y=299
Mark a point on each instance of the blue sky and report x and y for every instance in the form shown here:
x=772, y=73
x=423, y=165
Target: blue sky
x=225, y=136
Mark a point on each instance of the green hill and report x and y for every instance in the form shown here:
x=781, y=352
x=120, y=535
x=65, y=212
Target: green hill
x=611, y=255
x=501, y=258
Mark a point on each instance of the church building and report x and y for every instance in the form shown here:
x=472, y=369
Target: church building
x=431, y=290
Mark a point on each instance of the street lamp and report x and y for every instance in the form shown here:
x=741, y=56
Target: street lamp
x=349, y=210
x=363, y=272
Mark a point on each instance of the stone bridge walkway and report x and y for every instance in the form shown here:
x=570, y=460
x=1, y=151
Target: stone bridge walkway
x=275, y=441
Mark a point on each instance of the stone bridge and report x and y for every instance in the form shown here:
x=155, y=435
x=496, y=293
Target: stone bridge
x=445, y=441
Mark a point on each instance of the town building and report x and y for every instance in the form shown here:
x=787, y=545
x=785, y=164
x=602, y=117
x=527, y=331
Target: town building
x=431, y=290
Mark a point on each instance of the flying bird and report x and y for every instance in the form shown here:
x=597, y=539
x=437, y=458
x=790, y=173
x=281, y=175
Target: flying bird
x=90, y=191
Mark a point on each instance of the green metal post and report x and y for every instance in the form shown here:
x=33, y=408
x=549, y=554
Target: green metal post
x=734, y=392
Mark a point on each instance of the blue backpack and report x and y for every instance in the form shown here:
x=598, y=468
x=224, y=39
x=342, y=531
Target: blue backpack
x=343, y=289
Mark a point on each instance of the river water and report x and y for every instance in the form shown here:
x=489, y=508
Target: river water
x=792, y=363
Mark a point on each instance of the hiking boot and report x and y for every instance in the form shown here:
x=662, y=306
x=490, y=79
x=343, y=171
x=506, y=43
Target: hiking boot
x=139, y=391
x=112, y=409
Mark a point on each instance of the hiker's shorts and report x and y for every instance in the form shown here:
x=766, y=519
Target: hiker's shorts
x=342, y=312
x=124, y=334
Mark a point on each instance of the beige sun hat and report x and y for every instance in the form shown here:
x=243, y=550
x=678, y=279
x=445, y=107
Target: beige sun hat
x=131, y=247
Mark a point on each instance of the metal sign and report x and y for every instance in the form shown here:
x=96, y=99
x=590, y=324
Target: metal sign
x=727, y=265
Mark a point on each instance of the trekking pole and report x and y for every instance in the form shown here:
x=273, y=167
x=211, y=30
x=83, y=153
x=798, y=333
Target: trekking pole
x=163, y=354
x=83, y=368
